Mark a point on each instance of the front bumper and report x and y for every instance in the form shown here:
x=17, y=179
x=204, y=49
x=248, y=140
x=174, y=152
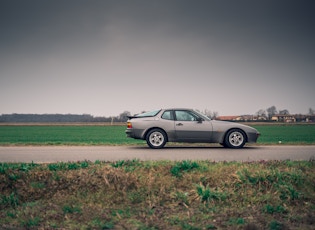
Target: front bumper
x=252, y=137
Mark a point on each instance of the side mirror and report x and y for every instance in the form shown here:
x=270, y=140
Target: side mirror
x=199, y=119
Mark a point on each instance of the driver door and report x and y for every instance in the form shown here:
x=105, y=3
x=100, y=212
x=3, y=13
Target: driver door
x=189, y=127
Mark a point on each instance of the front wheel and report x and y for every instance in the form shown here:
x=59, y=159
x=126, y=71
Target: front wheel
x=235, y=139
x=156, y=138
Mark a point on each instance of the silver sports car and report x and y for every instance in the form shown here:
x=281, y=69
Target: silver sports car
x=187, y=125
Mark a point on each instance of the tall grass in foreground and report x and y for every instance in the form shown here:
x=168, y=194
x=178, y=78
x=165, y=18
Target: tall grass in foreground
x=158, y=195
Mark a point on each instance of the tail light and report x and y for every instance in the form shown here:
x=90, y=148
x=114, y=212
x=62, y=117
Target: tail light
x=129, y=125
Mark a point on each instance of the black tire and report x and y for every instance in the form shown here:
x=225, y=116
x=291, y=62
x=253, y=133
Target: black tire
x=235, y=138
x=156, y=138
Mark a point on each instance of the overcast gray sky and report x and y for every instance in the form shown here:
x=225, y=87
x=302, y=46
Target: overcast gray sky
x=103, y=57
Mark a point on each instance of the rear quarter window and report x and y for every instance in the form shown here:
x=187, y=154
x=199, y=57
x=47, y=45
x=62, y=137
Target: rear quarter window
x=168, y=115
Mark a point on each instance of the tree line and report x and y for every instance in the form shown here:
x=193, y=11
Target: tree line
x=122, y=117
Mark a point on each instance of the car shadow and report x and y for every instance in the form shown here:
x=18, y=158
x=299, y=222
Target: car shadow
x=196, y=146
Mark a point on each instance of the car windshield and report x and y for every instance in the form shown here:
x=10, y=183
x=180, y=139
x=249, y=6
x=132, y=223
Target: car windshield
x=149, y=114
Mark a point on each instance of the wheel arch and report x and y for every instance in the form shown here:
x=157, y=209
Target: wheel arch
x=235, y=128
x=145, y=133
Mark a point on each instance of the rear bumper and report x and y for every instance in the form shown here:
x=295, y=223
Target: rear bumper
x=134, y=133
x=129, y=133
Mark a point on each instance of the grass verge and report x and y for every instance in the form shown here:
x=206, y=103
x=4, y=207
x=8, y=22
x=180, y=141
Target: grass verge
x=158, y=195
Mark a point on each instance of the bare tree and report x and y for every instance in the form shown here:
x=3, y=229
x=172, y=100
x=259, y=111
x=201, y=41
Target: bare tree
x=212, y=115
x=124, y=116
x=311, y=111
x=271, y=111
x=284, y=112
x=261, y=113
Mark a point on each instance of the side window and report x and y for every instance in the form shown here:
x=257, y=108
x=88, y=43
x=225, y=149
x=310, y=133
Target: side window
x=185, y=116
x=168, y=115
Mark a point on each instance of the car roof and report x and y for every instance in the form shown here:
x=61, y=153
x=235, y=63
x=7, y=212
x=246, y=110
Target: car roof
x=177, y=109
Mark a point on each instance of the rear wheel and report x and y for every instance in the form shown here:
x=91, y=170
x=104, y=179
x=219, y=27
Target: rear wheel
x=156, y=138
x=235, y=139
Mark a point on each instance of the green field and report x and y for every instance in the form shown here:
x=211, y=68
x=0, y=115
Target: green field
x=64, y=135
x=287, y=134
x=115, y=135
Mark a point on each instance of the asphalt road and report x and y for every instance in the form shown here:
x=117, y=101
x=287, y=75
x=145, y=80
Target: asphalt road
x=49, y=154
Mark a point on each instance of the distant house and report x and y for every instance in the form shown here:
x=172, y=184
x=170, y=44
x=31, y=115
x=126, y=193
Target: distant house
x=253, y=118
x=305, y=118
x=228, y=118
x=287, y=118
x=242, y=118
x=259, y=118
x=310, y=118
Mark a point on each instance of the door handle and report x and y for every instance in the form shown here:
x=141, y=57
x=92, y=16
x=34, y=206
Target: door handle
x=179, y=124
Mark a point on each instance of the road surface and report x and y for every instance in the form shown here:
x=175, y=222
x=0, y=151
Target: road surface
x=49, y=154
